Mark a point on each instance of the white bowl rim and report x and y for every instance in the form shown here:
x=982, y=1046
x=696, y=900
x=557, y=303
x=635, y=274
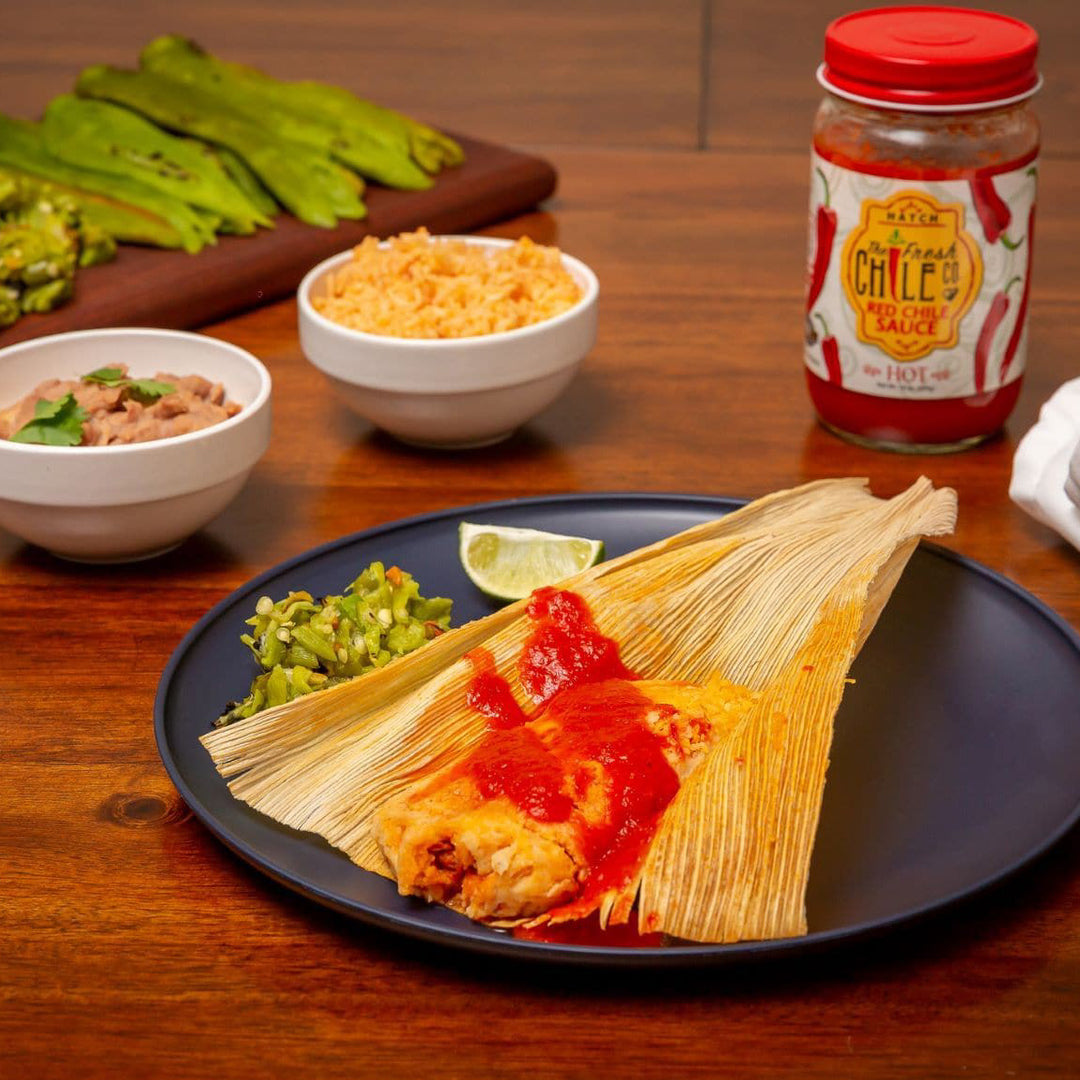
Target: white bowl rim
x=589, y=296
x=249, y=408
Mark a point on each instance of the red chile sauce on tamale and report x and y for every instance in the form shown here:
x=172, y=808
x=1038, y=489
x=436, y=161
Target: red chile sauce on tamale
x=582, y=688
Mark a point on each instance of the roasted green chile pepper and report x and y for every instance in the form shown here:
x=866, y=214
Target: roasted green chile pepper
x=43, y=241
x=307, y=182
x=367, y=149
x=98, y=135
x=161, y=219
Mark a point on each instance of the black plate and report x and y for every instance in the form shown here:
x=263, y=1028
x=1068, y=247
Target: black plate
x=956, y=758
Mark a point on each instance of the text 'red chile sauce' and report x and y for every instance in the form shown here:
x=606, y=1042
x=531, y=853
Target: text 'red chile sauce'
x=922, y=214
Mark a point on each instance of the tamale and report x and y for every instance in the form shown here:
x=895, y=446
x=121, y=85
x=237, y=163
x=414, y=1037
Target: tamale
x=513, y=830
x=775, y=597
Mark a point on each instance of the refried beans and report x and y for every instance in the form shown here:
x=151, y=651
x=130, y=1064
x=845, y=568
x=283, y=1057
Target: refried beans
x=114, y=417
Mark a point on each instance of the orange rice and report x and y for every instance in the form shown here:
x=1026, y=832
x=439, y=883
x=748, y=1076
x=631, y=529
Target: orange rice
x=419, y=287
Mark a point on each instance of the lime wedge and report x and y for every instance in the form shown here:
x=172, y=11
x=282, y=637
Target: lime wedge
x=507, y=563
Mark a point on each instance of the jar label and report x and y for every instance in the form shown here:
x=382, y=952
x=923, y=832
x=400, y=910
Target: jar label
x=918, y=289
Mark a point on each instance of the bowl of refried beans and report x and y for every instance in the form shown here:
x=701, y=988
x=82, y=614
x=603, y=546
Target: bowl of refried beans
x=118, y=444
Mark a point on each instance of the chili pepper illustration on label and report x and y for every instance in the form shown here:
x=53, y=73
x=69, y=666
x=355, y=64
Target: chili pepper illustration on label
x=924, y=287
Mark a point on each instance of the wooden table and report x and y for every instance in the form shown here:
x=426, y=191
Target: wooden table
x=134, y=944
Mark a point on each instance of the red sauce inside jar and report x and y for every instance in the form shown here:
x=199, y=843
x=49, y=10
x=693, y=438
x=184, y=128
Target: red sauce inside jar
x=899, y=421
x=924, y=151
x=895, y=421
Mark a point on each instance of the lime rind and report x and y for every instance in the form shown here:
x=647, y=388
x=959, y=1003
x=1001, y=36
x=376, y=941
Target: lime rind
x=507, y=562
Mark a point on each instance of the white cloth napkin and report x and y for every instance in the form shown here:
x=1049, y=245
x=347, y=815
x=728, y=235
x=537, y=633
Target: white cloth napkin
x=1046, y=466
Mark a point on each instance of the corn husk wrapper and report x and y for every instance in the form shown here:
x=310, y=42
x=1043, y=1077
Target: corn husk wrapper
x=778, y=596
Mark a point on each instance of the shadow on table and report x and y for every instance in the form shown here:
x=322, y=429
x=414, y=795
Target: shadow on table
x=912, y=952
x=536, y=464
x=249, y=532
x=198, y=550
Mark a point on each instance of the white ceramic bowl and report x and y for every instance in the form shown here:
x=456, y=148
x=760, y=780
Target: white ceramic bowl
x=451, y=392
x=117, y=503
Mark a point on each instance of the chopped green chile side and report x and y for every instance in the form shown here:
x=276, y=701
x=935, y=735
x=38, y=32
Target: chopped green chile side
x=304, y=645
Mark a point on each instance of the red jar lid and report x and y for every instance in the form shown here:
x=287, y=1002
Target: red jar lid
x=930, y=58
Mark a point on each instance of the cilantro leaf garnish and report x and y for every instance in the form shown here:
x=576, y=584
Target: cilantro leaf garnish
x=147, y=390
x=141, y=390
x=107, y=376
x=55, y=423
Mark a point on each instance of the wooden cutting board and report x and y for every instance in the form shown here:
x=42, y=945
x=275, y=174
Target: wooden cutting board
x=171, y=289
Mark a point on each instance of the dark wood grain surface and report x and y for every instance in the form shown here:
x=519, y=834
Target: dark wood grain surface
x=134, y=944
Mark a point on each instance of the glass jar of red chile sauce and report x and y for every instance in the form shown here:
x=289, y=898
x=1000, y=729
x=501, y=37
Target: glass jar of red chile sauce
x=922, y=210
